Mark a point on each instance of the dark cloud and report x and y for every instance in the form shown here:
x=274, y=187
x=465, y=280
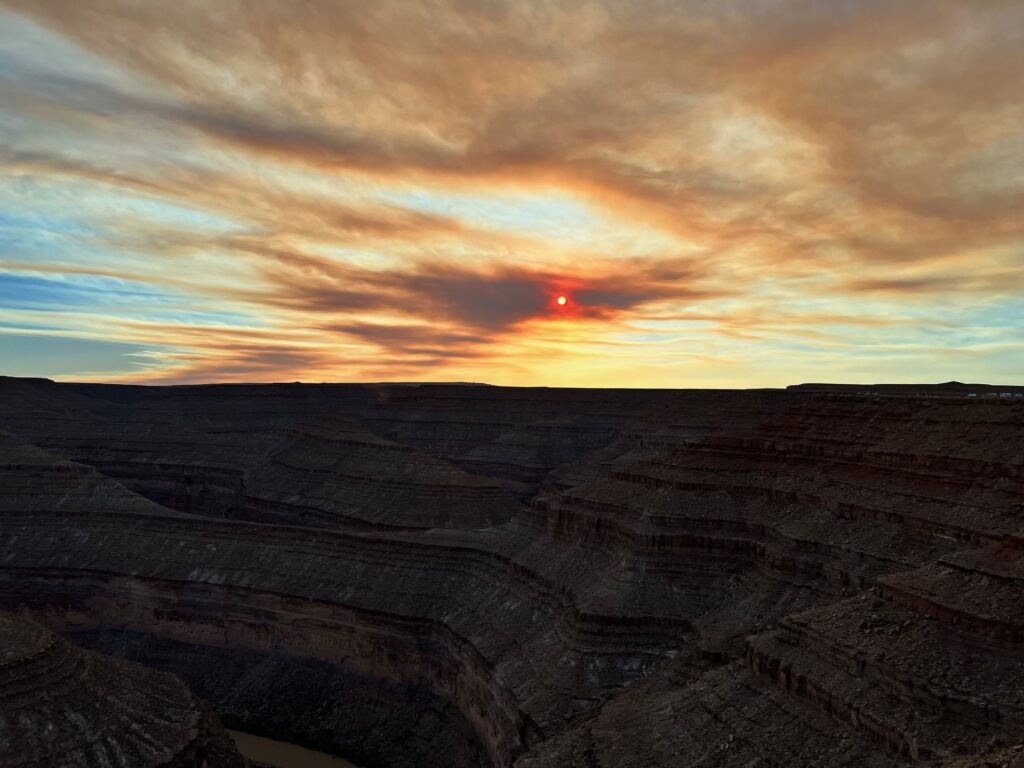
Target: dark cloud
x=491, y=301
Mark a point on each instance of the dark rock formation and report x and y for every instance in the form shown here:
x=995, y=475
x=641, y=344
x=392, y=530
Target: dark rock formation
x=63, y=706
x=478, y=576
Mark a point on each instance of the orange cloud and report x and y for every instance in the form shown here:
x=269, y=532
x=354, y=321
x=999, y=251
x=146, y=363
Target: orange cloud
x=856, y=160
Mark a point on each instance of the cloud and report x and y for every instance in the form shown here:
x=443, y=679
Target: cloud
x=860, y=159
x=491, y=301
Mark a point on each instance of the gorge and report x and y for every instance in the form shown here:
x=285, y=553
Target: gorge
x=458, y=575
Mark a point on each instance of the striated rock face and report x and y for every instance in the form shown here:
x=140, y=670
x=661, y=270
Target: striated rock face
x=335, y=473
x=476, y=576
x=62, y=706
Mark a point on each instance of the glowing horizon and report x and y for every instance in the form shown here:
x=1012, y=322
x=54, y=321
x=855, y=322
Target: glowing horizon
x=731, y=194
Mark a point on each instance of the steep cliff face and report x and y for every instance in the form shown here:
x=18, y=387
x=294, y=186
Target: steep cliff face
x=61, y=706
x=873, y=509
x=461, y=575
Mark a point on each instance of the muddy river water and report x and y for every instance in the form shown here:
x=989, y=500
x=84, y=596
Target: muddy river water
x=284, y=755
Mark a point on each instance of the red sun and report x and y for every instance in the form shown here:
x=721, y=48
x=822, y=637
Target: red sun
x=561, y=301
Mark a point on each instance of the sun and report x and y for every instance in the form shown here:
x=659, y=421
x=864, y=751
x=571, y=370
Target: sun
x=561, y=301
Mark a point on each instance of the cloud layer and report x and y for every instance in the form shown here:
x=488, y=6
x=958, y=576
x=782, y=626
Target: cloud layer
x=731, y=193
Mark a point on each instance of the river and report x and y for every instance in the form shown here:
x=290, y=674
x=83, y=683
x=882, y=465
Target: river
x=284, y=755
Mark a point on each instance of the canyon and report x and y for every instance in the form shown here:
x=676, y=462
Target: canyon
x=409, y=575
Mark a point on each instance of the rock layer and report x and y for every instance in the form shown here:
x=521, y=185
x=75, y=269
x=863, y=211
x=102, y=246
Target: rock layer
x=63, y=706
x=467, y=575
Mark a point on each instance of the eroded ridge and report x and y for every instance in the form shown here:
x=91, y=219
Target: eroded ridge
x=63, y=706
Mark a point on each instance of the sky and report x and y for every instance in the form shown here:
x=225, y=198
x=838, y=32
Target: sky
x=728, y=193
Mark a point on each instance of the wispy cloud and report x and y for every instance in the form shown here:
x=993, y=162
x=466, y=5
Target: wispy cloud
x=730, y=193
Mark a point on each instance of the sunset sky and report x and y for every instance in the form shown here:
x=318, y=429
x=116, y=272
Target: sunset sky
x=727, y=193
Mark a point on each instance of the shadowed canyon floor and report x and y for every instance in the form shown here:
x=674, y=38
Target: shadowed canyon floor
x=459, y=575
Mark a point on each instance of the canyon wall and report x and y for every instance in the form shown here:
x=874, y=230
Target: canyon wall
x=463, y=575
x=63, y=707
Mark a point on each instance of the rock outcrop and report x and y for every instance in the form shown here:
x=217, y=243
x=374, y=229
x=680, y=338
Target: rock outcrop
x=61, y=706
x=477, y=576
